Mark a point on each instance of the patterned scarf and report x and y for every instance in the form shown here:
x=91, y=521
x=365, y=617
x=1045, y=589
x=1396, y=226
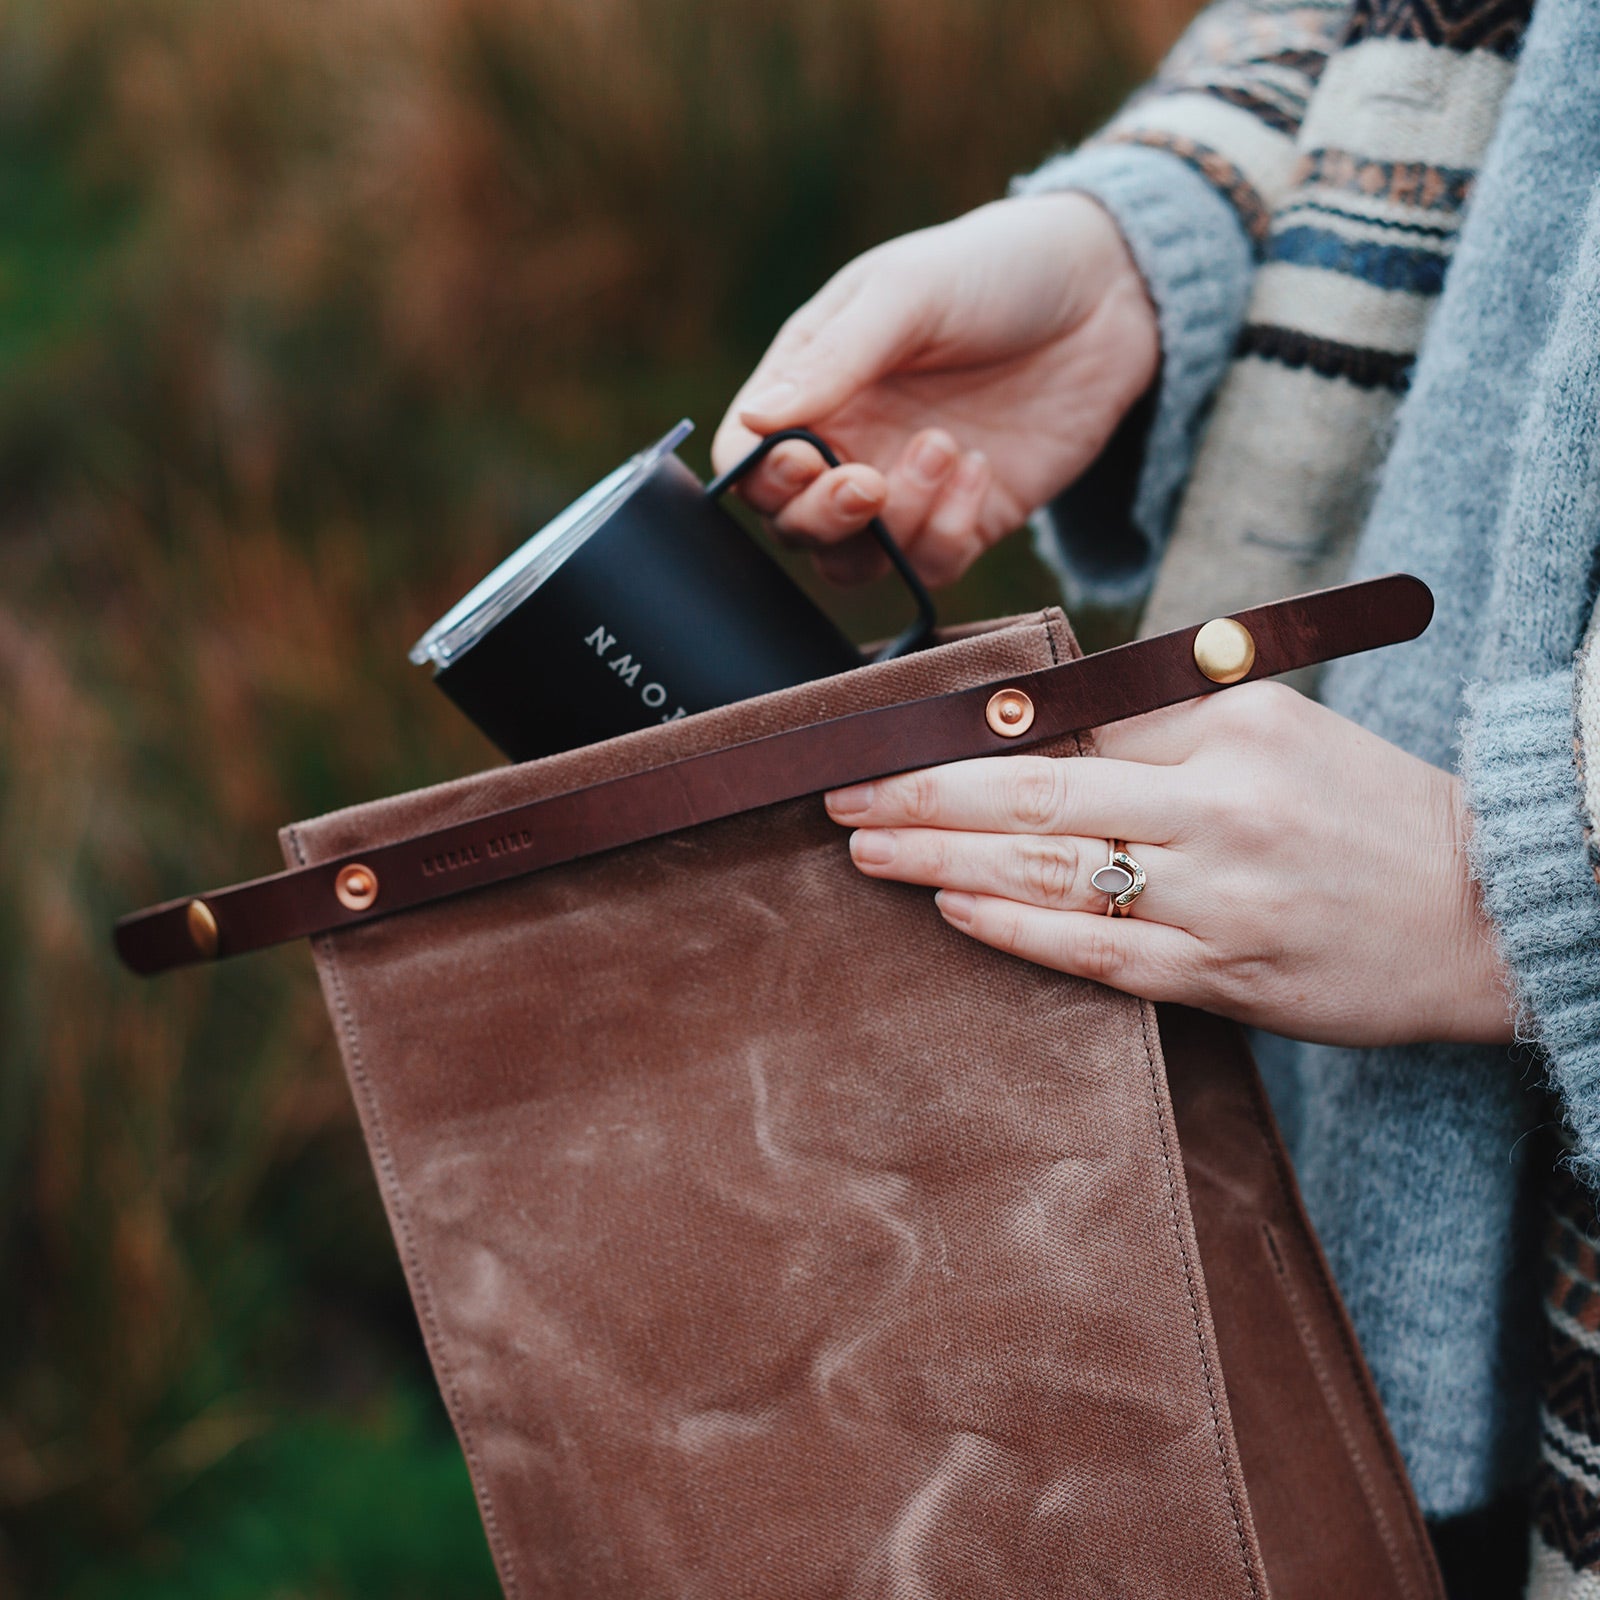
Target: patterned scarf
x=1352, y=159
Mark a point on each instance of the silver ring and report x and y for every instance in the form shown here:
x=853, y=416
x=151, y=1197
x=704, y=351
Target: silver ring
x=1121, y=878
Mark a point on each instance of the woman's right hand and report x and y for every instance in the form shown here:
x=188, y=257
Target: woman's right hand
x=968, y=372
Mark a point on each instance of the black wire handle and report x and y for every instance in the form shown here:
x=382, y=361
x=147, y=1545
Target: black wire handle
x=920, y=631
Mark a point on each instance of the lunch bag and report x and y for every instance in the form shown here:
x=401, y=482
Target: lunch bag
x=770, y=1238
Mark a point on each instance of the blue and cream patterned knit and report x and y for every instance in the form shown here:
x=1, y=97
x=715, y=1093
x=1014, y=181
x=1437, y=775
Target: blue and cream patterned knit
x=1351, y=265
x=1346, y=139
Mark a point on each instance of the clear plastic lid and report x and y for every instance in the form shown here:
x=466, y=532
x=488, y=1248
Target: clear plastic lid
x=521, y=573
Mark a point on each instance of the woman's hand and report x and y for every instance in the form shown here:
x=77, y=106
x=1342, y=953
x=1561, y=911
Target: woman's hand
x=969, y=371
x=1303, y=874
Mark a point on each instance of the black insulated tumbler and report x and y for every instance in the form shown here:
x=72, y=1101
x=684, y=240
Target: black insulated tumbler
x=642, y=602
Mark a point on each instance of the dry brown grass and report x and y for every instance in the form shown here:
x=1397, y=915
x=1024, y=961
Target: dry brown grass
x=310, y=303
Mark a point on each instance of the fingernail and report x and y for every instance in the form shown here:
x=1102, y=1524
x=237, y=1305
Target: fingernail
x=770, y=401
x=849, y=802
x=954, y=906
x=932, y=457
x=874, y=846
x=852, y=499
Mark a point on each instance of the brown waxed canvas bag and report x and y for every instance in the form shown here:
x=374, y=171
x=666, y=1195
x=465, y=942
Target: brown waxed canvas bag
x=772, y=1239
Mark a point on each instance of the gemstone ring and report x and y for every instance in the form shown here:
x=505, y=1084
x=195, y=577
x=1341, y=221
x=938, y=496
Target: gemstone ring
x=1122, y=878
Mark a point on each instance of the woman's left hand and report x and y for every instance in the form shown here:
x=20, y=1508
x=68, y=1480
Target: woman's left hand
x=1303, y=875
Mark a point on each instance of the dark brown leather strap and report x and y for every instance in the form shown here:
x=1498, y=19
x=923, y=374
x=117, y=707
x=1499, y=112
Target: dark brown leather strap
x=1087, y=693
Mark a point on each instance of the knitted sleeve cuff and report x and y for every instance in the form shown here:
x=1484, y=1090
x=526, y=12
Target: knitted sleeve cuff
x=1529, y=853
x=1104, y=536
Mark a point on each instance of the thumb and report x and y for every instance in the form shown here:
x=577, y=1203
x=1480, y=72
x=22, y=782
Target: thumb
x=811, y=372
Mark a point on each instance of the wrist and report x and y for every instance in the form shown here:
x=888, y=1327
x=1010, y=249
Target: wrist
x=1103, y=293
x=1472, y=993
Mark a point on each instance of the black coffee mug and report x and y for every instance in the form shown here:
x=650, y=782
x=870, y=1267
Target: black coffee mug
x=643, y=602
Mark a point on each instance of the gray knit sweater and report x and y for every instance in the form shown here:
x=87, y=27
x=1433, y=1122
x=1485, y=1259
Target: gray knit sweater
x=1416, y=1162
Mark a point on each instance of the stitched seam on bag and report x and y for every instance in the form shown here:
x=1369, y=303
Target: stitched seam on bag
x=1194, y=1305
x=390, y=1178
x=1341, y=1323
x=1261, y=1115
x=1319, y=1367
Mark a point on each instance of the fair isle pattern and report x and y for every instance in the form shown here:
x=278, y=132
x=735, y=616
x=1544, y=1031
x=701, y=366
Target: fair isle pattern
x=1354, y=254
x=1232, y=93
x=1367, y=209
x=1566, y=1491
x=1264, y=56
x=1388, y=223
x=1478, y=25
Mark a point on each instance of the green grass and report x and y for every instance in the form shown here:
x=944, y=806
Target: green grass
x=315, y=1509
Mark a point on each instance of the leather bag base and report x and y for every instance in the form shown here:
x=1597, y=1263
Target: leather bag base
x=772, y=1239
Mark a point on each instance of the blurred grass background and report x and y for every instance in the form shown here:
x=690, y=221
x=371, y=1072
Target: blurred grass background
x=309, y=310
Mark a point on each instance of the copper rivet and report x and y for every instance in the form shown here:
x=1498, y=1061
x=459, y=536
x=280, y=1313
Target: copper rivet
x=202, y=928
x=356, y=886
x=1009, y=713
x=1224, y=650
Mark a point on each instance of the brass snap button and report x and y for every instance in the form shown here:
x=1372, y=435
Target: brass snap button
x=1224, y=650
x=202, y=928
x=1009, y=713
x=356, y=886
